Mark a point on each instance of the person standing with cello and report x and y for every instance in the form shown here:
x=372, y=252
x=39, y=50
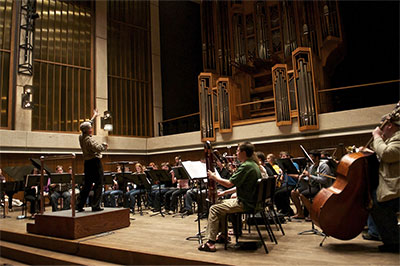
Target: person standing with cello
x=386, y=198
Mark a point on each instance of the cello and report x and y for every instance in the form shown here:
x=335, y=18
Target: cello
x=341, y=210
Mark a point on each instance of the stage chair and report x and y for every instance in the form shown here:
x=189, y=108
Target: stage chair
x=261, y=193
x=270, y=205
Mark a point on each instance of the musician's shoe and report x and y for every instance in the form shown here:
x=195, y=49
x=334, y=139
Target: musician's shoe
x=368, y=236
x=186, y=212
x=97, y=209
x=80, y=210
x=393, y=248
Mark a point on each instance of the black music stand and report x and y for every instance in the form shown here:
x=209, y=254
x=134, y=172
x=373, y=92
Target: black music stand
x=180, y=174
x=140, y=180
x=161, y=176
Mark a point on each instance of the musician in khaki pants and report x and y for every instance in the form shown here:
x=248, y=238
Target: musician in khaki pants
x=245, y=182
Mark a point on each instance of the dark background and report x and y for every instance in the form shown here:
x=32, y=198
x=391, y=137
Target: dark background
x=371, y=35
x=181, y=58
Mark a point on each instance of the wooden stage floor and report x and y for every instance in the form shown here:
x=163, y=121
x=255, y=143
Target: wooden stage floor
x=167, y=236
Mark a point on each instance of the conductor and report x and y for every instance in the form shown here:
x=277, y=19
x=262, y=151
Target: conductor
x=93, y=168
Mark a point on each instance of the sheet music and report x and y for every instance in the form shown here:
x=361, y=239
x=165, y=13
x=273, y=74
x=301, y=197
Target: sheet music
x=195, y=169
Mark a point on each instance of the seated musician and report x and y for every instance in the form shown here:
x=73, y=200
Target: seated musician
x=194, y=195
x=282, y=194
x=134, y=194
x=178, y=161
x=385, y=208
x=32, y=195
x=245, y=179
x=110, y=196
x=60, y=191
x=153, y=166
x=271, y=160
x=311, y=181
x=168, y=187
x=262, y=160
x=171, y=196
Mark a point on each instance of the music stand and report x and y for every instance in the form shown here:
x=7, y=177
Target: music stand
x=161, y=176
x=108, y=178
x=140, y=180
x=196, y=171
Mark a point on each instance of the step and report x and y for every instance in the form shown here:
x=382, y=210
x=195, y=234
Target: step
x=37, y=256
x=5, y=261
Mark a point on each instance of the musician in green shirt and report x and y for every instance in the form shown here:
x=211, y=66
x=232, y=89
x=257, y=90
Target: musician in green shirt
x=244, y=182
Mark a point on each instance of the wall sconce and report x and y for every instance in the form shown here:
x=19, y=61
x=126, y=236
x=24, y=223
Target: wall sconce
x=106, y=121
x=26, y=97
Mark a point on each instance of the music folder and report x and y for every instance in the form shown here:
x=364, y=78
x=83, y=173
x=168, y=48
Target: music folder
x=141, y=180
x=34, y=180
x=158, y=175
x=60, y=178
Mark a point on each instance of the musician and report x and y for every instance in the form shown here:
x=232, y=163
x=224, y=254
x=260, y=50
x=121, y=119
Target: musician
x=386, y=145
x=168, y=186
x=31, y=195
x=153, y=166
x=311, y=181
x=178, y=161
x=135, y=193
x=194, y=195
x=262, y=162
x=92, y=167
x=111, y=196
x=271, y=160
x=171, y=196
x=60, y=191
x=245, y=179
x=282, y=194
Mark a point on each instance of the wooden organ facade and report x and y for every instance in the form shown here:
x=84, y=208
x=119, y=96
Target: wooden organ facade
x=274, y=54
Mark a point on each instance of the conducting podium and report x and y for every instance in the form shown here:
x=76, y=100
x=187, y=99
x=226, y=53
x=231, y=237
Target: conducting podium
x=69, y=224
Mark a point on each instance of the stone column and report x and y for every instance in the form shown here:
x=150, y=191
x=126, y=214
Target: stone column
x=101, y=90
x=156, y=64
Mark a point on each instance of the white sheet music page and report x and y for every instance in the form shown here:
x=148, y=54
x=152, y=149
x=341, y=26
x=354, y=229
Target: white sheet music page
x=195, y=169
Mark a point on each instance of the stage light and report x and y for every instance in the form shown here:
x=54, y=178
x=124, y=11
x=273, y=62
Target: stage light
x=106, y=122
x=26, y=97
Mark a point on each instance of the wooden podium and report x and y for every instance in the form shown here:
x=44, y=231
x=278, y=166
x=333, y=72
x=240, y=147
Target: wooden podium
x=62, y=224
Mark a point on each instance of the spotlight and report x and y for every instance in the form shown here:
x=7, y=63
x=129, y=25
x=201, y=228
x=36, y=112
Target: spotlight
x=26, y=97
x=106, y=122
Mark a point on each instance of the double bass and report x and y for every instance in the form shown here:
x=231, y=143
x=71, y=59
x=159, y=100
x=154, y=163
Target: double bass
x=341, y=210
